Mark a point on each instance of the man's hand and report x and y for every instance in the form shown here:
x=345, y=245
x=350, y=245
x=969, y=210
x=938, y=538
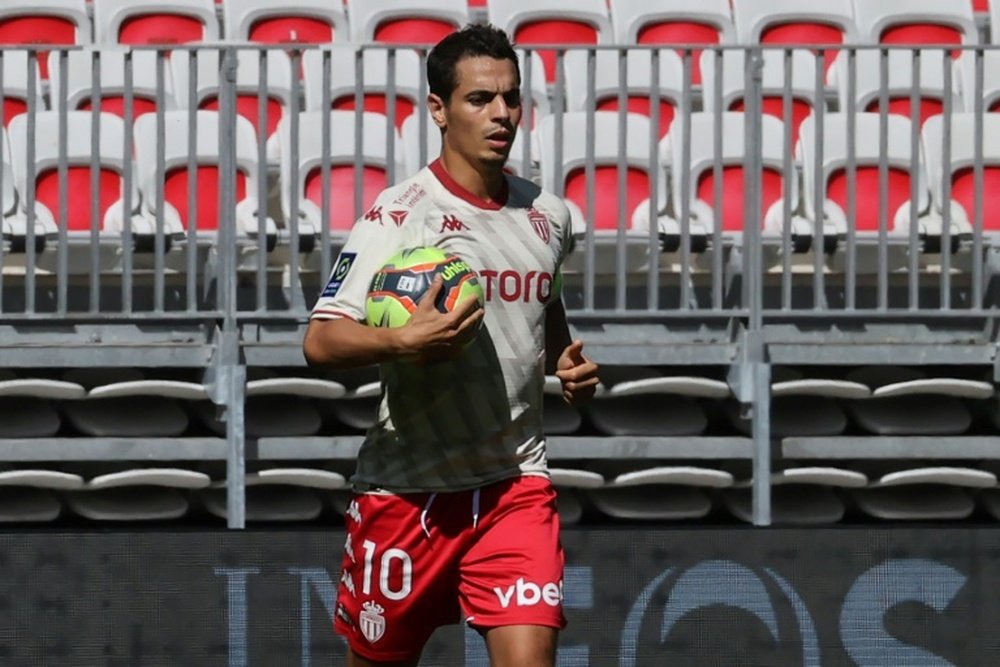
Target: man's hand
x=436, y=336
x=577, y=374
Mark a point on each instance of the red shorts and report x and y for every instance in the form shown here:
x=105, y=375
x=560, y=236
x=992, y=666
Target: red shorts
x=413, y=562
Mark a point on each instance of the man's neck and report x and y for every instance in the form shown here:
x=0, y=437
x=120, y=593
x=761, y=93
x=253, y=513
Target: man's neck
x=483, y=181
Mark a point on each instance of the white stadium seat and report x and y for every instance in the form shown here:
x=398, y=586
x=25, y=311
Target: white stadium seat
x=916, y=22
x=405, y=21
x=300, y=21
x=154, y=21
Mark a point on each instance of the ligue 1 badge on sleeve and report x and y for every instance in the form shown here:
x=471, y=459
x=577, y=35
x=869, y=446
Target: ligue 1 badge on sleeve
x=372, y=622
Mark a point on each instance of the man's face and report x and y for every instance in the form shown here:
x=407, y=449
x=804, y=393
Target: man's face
x=482, y=114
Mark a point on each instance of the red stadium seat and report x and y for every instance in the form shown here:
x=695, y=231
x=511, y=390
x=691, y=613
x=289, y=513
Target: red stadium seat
x=154, y=21
x=45, y=22
x=302, y=21
x=406, y=22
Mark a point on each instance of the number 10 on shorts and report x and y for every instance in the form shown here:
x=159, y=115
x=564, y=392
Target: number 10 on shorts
x=386, y=564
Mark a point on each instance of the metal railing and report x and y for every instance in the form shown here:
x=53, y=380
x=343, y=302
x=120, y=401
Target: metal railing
x=153, y=249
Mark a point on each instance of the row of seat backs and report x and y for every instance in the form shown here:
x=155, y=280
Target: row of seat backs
x=564, y=173
x=545, y=22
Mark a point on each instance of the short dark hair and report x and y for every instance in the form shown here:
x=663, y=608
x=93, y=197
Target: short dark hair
x=475, y=39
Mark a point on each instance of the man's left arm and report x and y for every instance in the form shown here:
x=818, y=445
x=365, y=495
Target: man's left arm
x=564, y=357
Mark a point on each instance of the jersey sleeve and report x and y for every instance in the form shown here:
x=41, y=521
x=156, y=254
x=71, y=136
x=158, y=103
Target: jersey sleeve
x=374, y=238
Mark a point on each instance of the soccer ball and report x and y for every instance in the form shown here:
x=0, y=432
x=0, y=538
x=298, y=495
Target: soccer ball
x=401, y=282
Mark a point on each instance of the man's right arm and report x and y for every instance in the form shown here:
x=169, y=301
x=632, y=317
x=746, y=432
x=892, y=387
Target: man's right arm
x=341, y=342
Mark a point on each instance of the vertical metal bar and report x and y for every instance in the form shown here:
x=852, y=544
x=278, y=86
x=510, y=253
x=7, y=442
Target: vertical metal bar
x=30, y=185
x=191, y=167
x=687, y=64
x=819, y=300
x=297, y=297
x=62, y=215
x=883, y=181
x=262, y=124
x=717, y=249
x=752, y=170
x=96, y=162
x=653, y=274
x=527, y=115
x=787, y=175
x=977, y=180
x=128, y=175
x=912, y=278
x=235, y=435
x=851, y=259
x=621, y=184
x=589, y=172
x=159, y=283
x=422, y=107
x=359, y=105
x=295, y=153
x=390, y=126
x=946, y=185
x=326, y=259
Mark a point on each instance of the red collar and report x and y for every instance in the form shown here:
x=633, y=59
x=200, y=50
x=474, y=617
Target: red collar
x=454, y=188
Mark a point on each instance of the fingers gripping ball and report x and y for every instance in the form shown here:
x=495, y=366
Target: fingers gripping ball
x=402, y=281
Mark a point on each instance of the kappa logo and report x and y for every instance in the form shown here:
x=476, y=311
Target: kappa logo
x=348, y=581
x=354, y=511
x=349, y=548
x=539, y=223
x=398, y=217
x=372, y=621
x=452, y=224
x=374, y=213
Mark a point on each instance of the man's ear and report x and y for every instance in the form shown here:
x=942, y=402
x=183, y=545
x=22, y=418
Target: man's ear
x=436, y=106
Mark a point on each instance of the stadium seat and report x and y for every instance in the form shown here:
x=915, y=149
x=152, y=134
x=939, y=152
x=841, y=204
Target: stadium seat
x=562, y=167
x=15, y=95
x=301, y=21
x=552, y=22
x=734, y=86
x=45, y=22
x=111, y=92
x=775, y=185
x=906, y=402
x=123, y=403
x=643, y=401
x=154, y=21
x=410, y=138
x=990, y=90
x=306, y=154
x=916, y=22
x=867, y=181
x=793, y=22
x=177, y=209
x=359, y=407
x=375, y=84
x=80, y=200
x=278, y=95
x=923, y=494
x=661, y=493
x=405, y=22
x=638, y=87
x=279, y=494
x=27, y=406
x=673, y=22
x=900, y=83
x=14, y=224
x=962, y=161
x=799, y=496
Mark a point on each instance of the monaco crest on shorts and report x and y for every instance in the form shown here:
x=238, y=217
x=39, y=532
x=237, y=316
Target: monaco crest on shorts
x=371, y=621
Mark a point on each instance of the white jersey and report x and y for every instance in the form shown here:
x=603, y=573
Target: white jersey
x=476, y=419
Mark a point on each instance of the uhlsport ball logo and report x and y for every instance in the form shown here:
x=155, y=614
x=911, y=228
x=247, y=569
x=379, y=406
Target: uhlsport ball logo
x=400, y=284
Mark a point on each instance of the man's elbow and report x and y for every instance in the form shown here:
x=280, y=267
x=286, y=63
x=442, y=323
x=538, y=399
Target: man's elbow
x=313, y=350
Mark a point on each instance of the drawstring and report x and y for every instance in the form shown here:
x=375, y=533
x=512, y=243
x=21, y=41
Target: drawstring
x=430, y=501
x=423, y=515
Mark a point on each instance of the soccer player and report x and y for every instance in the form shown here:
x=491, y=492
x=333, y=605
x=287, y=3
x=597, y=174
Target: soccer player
x=453, y=516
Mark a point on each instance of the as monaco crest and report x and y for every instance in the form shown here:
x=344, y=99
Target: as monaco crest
x=371, y=621
x=540, y=223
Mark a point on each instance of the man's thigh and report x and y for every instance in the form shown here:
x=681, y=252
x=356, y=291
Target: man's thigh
x=512, y=573
x=397, y=586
